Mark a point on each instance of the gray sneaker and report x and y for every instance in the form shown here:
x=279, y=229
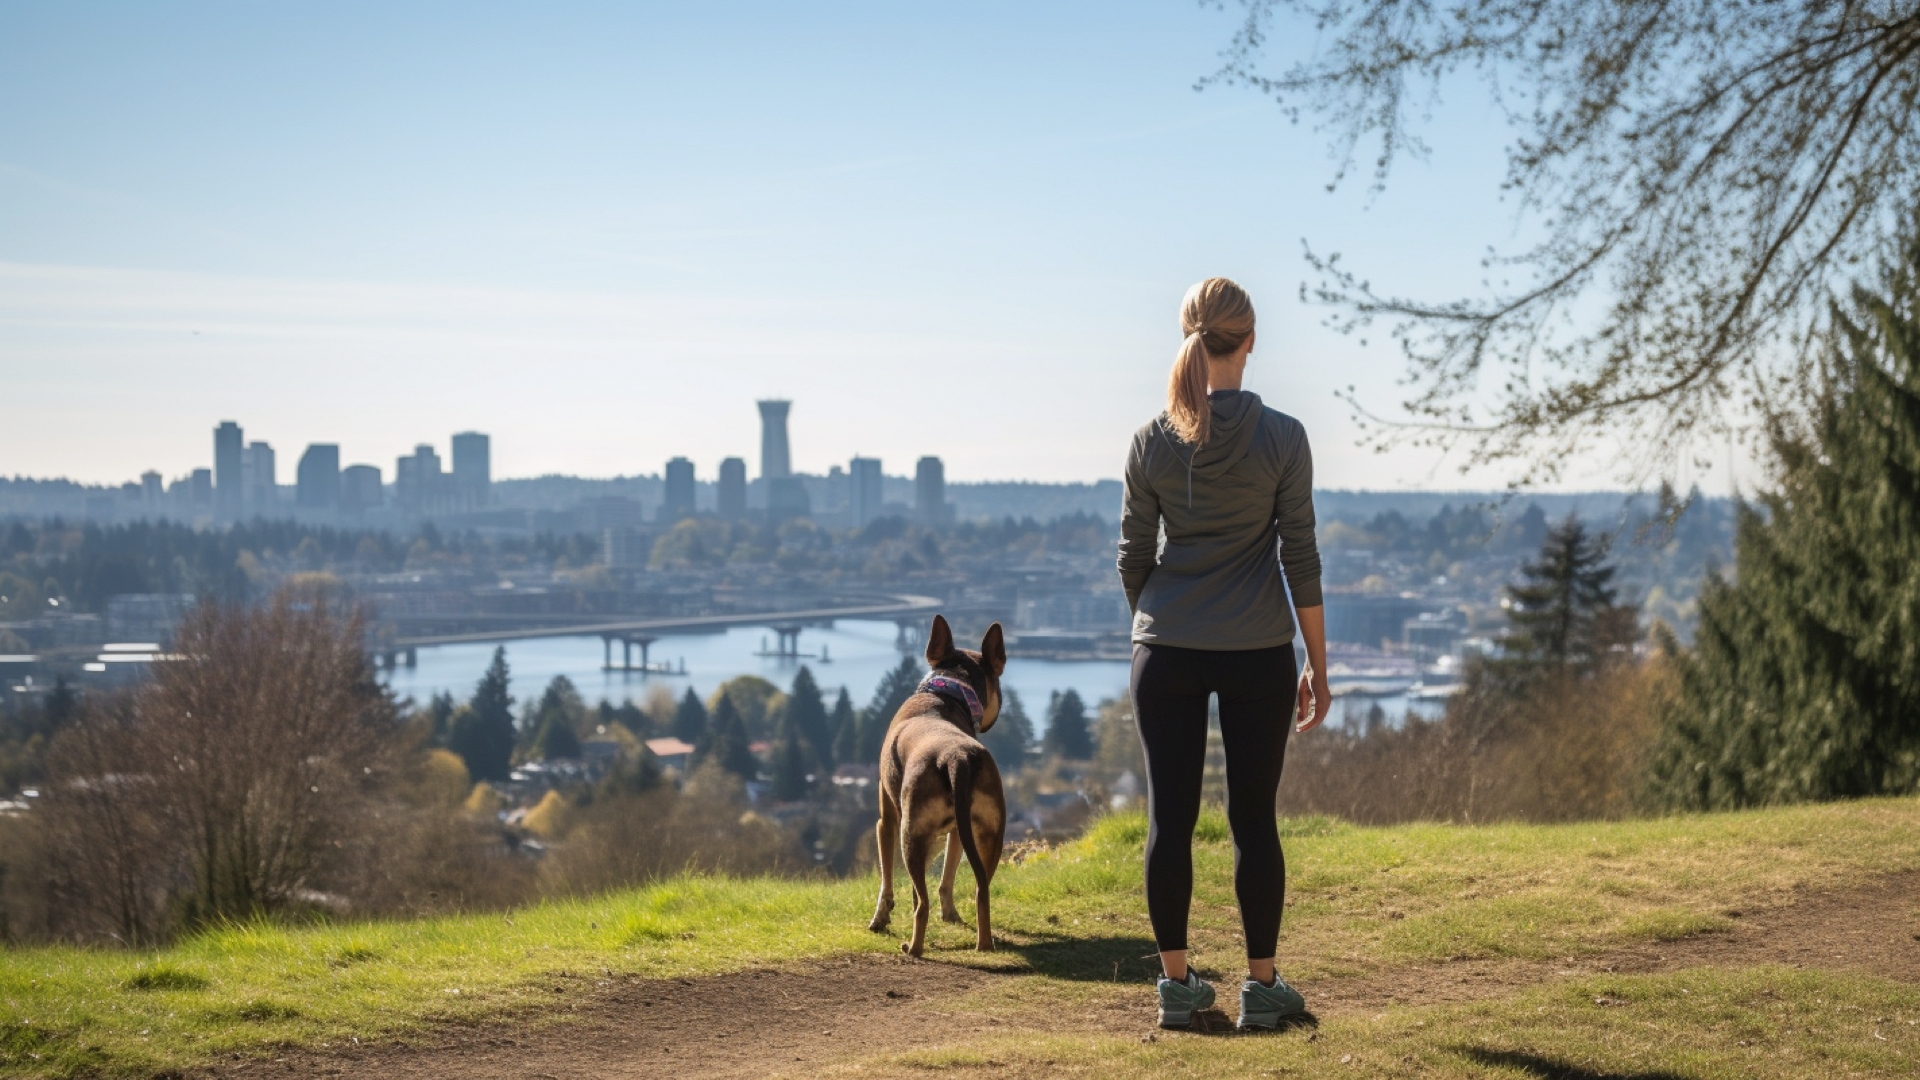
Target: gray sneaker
x=1180, y=1000
x=1265, y=1006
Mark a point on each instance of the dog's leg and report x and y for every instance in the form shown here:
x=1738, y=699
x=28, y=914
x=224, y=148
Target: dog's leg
x=886, y=833
x=987, y=842
x=949, y=913
x=919, y=853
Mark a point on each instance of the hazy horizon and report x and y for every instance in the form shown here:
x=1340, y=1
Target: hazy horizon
x=599, y=233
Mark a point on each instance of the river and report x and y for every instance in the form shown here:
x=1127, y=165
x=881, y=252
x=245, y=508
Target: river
x=858, y=652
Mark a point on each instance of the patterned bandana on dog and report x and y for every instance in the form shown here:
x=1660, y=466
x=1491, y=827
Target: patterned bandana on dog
x=955, y=689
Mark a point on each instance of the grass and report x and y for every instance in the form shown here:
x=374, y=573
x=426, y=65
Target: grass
x=1362, y=902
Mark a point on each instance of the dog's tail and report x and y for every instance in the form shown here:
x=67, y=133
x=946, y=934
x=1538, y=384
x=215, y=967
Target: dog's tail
x=960, y=779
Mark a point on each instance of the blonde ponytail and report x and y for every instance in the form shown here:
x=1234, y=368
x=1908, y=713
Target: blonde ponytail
x=1217, y=318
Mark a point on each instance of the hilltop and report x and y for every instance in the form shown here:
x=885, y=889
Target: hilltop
x=1771, y=943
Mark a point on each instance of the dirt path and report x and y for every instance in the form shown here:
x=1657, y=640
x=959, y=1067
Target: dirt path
x=797, y=1020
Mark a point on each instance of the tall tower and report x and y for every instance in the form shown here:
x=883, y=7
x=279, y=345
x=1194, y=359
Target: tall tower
x=680, y=492
x=472, y=469
x=317, y=480
x=864, y=494
x=774, y=461
x=930, y=491
x=229, y=455
x=733, y=489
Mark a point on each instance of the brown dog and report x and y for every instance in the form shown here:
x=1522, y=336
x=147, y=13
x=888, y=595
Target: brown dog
x=936, y=779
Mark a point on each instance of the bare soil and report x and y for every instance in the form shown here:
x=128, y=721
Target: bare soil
x=798, y=1020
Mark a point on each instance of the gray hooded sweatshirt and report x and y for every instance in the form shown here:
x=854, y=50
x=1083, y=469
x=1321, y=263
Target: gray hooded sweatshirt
x=1224, y=507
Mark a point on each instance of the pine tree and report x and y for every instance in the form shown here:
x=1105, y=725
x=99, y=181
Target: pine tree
x=690, y=720
x=1010, y=739
x=556, y=740
x=729, y=744
x=846, y=728
x=1802, y=680
x=1067, y=733
x=484, y=736
x=808, y=713
x=791, y=759
x=895, y=688
x=1565, y=612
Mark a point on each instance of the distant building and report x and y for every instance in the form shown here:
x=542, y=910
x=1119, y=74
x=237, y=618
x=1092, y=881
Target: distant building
x=153, y=491
x=930, y=492
x=200, y=489
x=260, y=475
x=417, y=480
x=317, y=480
x=680, y=488
x=472, y=470
x=146, y=618
x=863, y=491
x=732, y=496
x=622, y=547
x=774, y=459
x=229, y=481
x=360, y=489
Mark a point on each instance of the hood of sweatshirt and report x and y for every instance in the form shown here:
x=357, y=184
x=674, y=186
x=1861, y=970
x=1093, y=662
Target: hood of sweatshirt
x=1236, y=421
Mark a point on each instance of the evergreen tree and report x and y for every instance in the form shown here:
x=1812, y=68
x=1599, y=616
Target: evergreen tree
x=807, y=713
x=1067, y=731
x=1564, y=612
x=729, y=744
x=61, y=703
x=846, y=729
x=484, y=736
x=895, y=688
x=440, y=713
x=556, y=739
x=1802, y=680
x=791, y=759
x=1011, y=738
x=690, y=720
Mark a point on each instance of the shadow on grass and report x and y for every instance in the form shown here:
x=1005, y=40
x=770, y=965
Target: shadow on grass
x=1548, y=1069
x=1115, y=958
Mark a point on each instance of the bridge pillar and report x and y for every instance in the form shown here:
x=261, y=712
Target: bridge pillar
x=789, y=643
x=413, y=657
x=626, y=655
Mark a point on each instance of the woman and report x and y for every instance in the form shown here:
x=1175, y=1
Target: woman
x=1226, y=478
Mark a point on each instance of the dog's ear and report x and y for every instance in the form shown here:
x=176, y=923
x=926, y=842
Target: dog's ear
x=993, y=649
x=939, y=641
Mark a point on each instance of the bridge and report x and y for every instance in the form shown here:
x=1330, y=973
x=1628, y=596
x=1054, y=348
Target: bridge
x=643, y=631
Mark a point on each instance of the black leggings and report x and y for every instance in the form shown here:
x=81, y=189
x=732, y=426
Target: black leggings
x=1256, y=688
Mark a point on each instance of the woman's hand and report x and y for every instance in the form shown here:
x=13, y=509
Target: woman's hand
x=1316, y=699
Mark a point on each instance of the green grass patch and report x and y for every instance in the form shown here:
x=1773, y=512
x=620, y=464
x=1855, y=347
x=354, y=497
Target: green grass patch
x=167, y=977
x=1360, y=900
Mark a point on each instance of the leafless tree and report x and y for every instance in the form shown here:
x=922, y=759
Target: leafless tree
x=1702, y=172
x=222, y=781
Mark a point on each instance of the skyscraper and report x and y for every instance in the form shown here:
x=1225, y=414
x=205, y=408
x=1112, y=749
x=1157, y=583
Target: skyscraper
x=863, y=490
x=260, y=476
x=317, y=480
x=417, y=479
x=733, y=489
x=229, y=453
x=930, y=492
x=679, y=503
x=774, y=462
x=472, y=469
x=152, y=490
x=360, y=488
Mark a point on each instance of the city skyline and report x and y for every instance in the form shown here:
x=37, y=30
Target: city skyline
x=843, y=207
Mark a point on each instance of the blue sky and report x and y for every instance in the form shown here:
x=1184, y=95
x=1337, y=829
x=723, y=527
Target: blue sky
x=598, y=232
